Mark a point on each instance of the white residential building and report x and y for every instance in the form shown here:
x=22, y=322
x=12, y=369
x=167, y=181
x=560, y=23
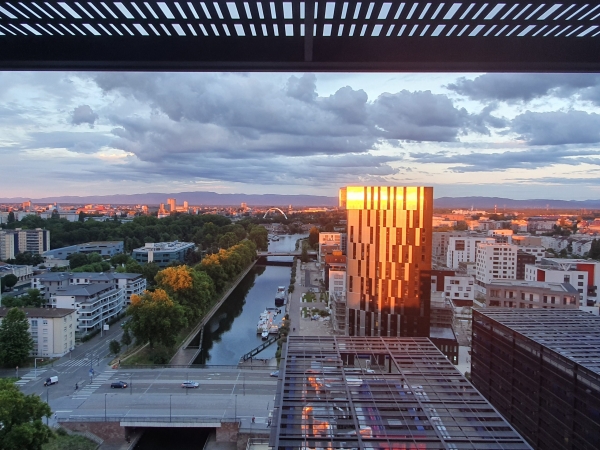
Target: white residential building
x=459, y=287
x=35, y=241
x=441, y=241
x=463, y=249
x=96, y=304
x=52, y=330
x=495, y=261
x=50, y=283
x=337, y=281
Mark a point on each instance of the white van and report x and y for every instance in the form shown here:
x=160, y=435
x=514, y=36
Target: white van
x=50, y=380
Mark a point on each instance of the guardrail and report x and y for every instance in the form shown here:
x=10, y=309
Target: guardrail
x=126, y=418
x=193, y=366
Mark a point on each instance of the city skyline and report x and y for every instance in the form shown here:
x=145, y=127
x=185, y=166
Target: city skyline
x=520, y=135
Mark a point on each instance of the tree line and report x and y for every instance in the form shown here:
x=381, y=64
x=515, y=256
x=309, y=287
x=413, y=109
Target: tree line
x=209, y=231
x=183, y=295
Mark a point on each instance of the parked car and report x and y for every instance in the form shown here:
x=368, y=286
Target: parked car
x=118, y=385
x=189, y=385
x=50, y=380
x=274, y=374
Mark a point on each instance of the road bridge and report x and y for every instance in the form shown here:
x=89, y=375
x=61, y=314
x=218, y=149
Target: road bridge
x=283, y=253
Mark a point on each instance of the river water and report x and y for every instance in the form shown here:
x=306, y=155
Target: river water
x=231, y=332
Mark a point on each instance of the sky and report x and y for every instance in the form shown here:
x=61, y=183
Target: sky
x=519, y=136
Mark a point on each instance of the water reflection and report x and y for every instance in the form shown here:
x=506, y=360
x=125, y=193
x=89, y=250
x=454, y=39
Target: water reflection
x=232, y=330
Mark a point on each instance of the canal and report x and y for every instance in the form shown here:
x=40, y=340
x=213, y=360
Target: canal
x=231, y=332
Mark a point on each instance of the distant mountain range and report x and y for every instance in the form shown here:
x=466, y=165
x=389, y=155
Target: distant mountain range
x=214, y=199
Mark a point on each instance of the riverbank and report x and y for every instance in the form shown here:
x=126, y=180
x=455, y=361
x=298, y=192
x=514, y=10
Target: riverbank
x=185, y=354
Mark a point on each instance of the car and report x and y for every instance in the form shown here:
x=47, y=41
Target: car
x=274, y=374
x=118, y=385
x=189, y=385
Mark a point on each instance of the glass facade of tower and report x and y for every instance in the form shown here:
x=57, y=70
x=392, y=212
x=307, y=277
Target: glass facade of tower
x=389, y=259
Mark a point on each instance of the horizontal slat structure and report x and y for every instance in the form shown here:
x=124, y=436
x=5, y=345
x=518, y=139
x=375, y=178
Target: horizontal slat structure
x=338, y=392
x=301, y=35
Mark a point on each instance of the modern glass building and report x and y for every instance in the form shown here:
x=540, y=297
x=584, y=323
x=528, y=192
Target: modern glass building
x=541, y=369
x=389, y=259
x=384, y=393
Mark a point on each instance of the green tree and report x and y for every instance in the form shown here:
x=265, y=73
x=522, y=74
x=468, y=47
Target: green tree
x=313, y=237
x=192, y=289
x=77, y=260
x=81, y=216
x=15, y=341
x=259, y=235
x=126, y=338
x=21, y=425
x=304, y=255
x=119, y=259
x=156, y=318
x=114, y=347
x=28, y=259
x=11, y=217
x=10, y=280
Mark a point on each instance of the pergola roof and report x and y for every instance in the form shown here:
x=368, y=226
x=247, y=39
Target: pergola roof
x=297, y=35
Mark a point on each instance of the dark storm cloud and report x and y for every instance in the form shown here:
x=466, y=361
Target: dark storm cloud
x=493, y=162
x=526, y=87
x=303, y=88
x=557, y=128
x=83, y=114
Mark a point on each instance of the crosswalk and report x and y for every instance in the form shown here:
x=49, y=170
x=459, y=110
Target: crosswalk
x=72, y=365
x=89, y=389
x=30, y=376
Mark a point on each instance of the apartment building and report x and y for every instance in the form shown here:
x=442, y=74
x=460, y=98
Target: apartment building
x=50, y=283
x=328, y=243
x=95, y=304
x=464, y=249
x=495, y=261
x=163, y=253
x=579, y=279
x=389, y=259
x=531, y=294
x=18, y=240
x=441, y=241
x=52, y=330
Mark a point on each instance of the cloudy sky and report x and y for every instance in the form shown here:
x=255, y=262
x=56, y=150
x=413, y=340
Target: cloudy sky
x=511, y=135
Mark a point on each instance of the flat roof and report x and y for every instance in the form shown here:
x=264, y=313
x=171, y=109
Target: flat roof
x=84, y=289
x=300, y=36
x=572, y=333
x=374, y=392
x=41, y=312
x=556, y=287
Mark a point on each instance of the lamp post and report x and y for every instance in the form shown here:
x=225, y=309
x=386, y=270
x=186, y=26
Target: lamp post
x=130, y=385
x=35, y=364
x=235, y=407
x=105, y=407
x=170, y=395
x=47, y=401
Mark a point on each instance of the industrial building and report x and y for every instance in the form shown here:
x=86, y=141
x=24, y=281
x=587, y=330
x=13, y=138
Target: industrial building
x=374, y=392
x=541, y=369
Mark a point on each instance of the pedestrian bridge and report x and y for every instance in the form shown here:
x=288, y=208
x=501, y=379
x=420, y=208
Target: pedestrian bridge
x=153, y=421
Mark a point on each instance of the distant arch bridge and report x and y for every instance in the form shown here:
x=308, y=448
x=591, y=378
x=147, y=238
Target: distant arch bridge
x=274, y=209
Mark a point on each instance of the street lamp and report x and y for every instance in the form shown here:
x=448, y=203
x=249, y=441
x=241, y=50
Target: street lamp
x=47, y=400
x=236, y=407
x=105, y=407
x=170, y=395
x=35, y=364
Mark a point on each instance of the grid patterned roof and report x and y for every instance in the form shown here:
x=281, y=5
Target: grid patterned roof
x=373, y=392
x=572, y=334
x=305, y=35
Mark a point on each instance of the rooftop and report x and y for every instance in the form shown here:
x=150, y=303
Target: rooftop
x=571, y=333
x=84, y=289
x=373, y=392
x=164, y=246
x=41, y=312
x=556, y=287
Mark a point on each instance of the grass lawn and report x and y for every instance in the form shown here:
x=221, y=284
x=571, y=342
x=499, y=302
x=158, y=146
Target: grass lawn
x=70, y=443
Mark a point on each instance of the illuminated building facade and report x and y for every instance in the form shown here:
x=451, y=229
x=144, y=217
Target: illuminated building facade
x=389, y=259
